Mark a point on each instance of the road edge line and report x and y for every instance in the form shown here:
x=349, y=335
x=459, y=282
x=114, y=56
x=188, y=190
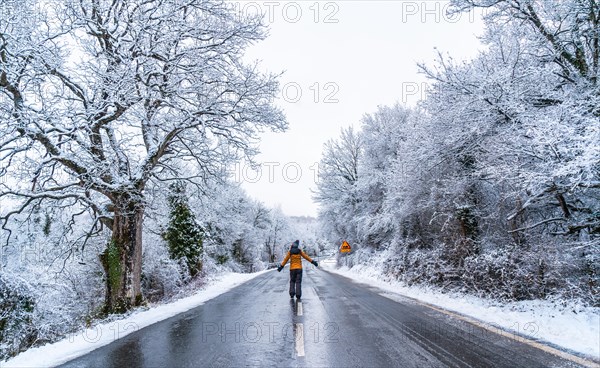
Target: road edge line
x=513, y=335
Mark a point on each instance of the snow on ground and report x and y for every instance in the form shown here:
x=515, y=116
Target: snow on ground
x=102, y=334
x=573, y=327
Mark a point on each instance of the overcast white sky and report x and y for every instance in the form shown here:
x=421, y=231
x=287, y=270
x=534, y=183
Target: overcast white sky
x=341, y=59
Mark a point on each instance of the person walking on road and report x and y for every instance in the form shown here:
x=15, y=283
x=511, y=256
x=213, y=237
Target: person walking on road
x=294, y=255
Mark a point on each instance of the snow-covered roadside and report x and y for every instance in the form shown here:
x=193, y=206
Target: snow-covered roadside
x=102, y=334
x=573, y=327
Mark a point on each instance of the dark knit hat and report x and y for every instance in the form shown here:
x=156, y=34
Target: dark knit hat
x=296, y=243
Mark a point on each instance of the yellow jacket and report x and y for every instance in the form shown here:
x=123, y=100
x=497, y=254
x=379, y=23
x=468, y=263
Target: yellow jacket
x=295, y=260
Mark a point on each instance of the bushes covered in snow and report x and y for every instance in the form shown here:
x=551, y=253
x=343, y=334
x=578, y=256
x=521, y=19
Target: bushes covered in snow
x=492, y=183
x=16, y=315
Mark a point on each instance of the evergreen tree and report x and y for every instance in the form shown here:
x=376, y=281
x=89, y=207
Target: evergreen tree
x=183, y=234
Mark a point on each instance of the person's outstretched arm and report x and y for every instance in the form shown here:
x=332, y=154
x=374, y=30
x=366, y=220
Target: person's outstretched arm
x=285, y=260
x=308, y=258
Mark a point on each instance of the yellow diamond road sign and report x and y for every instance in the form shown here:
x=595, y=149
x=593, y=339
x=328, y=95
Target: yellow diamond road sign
x=345, y=248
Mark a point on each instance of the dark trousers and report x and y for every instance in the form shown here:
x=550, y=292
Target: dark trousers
x=296, y=283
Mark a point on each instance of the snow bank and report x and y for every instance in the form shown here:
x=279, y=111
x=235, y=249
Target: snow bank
x=570, y=326
x=102, y=334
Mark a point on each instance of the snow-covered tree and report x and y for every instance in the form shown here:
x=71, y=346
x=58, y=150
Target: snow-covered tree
x=493, y=187
x=537, y=85
x=98, y=98
x=278, y=232
x=565, y=33
x=336, y=186
x=384, y=136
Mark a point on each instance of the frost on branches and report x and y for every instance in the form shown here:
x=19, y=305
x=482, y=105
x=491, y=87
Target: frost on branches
x=492, y=184
x=100, y=98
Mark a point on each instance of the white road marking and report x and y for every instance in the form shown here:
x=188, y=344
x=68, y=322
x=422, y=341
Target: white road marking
x=299, y=309
x=300, y=339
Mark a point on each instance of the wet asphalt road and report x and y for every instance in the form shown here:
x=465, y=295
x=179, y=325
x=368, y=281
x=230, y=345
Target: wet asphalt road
x=337, y=324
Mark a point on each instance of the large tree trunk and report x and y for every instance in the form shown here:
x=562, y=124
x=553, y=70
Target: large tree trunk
x=122, y=259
